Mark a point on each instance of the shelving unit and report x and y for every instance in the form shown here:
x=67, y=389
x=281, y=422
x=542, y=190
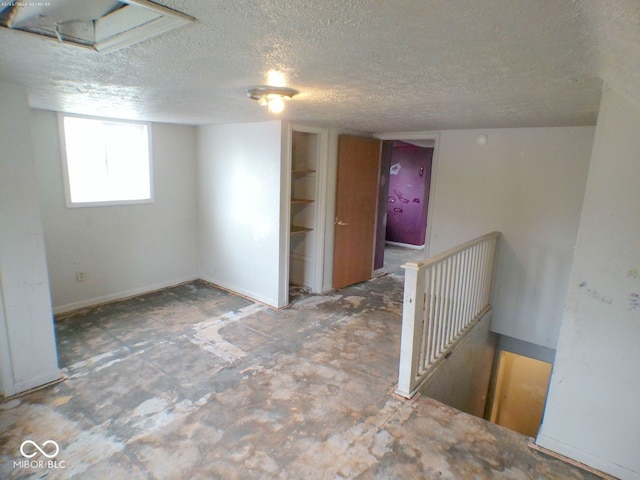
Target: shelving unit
x=306, y=204
x=304, y=161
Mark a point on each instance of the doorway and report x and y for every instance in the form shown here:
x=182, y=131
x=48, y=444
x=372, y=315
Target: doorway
x=405, y=206
x=408, y=195
x=520, y=393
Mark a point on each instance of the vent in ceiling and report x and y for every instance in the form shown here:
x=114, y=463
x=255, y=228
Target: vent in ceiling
x=102, y=25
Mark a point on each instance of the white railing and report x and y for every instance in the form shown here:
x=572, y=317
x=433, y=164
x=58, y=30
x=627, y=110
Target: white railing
x=444, y=297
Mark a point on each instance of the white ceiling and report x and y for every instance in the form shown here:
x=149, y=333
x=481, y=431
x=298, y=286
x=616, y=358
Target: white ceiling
x=368, y=65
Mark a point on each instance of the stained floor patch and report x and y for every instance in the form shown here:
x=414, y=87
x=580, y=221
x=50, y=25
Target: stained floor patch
x=192, y=382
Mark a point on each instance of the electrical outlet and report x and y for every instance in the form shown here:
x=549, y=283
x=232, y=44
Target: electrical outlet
x=80, y=276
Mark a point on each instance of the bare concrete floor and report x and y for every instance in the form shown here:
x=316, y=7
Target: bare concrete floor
x=194, y=383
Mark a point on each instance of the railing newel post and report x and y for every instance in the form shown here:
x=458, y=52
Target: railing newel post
x=412, y=313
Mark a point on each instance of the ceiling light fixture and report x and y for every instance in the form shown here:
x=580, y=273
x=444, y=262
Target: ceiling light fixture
x=272, y=97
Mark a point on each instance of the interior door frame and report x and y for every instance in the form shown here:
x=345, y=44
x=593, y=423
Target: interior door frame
x=435, y=137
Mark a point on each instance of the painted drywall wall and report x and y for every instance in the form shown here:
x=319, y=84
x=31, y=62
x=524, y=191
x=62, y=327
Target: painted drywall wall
x=239, y=172
x=28, y=358
x=520, y=394
x=6, y=369
x=592, y=407
x=528, y=184
x=462, y=380
x=122, y=249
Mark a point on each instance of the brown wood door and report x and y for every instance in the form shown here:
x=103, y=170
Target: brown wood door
x=356, y=206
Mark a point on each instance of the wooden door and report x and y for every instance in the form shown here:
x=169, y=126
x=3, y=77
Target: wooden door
x=356, y=206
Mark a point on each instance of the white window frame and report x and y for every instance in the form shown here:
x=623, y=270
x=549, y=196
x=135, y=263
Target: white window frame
x=65, y=168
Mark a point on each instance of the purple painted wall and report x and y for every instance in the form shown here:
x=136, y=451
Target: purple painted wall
x=408, y=196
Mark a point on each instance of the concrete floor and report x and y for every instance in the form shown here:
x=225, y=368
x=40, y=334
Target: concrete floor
x=194, y=383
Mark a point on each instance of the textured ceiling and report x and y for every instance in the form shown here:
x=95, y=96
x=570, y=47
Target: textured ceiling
x=368, y=65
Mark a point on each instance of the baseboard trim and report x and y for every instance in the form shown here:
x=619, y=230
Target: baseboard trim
x=575, y=457
x=35, y=383
x=115, y=297
x=60, y=377
x=405, y=245
x=242, y=292
x=64, y=311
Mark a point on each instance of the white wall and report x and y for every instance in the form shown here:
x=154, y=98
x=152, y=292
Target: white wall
x=462, y=380
x=239, y=170
x=592, y=407
x=125, y=249
x=28, y=355
x=529, y=184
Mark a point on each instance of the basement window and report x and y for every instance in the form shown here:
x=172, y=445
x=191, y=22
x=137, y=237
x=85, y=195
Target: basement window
x=105, y=161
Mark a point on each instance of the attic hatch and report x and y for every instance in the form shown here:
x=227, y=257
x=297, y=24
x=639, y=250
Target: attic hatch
x=102, y=25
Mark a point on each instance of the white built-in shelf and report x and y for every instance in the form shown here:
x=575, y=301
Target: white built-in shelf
x=298, y=229
x=302, y=201
x=303, y=171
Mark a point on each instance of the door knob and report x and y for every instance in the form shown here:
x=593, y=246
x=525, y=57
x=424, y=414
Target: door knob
x=341, y=223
